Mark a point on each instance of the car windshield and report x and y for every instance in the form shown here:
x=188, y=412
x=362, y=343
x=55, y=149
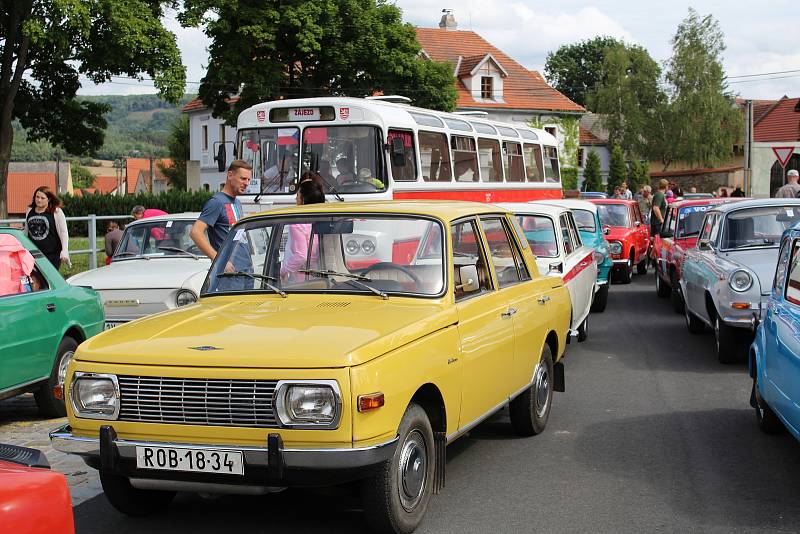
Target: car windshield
x=157, y=239
x=377, y=254
x=758, y=227
x=690, y=220
x=540, y=233
x=585, y=220
x=613, y=214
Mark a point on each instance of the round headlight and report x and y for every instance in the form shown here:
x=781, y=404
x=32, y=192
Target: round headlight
x=185, y=297
x=599, y=257
x=615, y=247
x=740, y=281
x=352, y=247
x=368, y=246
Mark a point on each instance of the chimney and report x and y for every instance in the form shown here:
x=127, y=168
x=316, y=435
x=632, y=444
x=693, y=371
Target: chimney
x=448, y=21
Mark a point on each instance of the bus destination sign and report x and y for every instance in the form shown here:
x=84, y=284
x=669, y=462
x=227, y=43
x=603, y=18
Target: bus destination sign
x=304, y=114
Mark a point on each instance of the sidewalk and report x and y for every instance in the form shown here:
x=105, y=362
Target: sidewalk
x=21, y=424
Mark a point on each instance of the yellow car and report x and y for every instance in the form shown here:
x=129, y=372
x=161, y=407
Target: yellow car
x=305, y=364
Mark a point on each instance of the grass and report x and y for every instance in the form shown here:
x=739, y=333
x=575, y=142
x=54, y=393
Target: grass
x=80, y=262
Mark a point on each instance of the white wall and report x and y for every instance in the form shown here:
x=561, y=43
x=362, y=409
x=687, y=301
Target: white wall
x=605, y=161
x=763, y=160
x=209, y=175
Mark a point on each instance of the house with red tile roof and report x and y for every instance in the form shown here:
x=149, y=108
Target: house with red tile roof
x=20, y=188
x=776, y=131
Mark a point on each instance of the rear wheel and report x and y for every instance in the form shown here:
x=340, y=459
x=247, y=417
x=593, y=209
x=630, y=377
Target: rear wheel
x=529, y=411
x=49, y=405
x=641, y=267
x=768, y=422
x=600, y=299
x=396, y=498
x=133, y=501
x=662, y=290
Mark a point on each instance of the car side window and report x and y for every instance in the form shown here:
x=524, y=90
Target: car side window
x=566, y=236
x=715, y=226
x=503, y=252
x=573, y=229
x=467, y=250
x=672, y=222
x=637, y=217
x=708, y=222
x=783, y=264
x=792, y=293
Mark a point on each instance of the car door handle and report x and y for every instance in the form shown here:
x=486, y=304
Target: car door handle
x=543, y=299
x=508, y=313
x=51, y=307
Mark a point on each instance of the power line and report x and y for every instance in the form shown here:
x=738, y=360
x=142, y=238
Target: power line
x=763, y=74
x=767, y=79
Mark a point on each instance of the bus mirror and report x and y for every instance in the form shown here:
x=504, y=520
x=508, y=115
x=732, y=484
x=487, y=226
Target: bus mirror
x=220, y=157
x=398, y=152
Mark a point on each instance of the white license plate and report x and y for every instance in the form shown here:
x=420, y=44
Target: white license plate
x=225, y=462
x=111, y=324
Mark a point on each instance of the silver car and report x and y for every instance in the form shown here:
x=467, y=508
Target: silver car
x=727, y=278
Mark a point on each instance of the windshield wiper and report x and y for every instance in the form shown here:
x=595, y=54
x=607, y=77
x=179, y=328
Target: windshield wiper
x=354, y=278
x=176, y=249
x=761, y=243
x=254, y=276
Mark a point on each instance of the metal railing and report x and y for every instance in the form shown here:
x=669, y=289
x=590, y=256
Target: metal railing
x=92, y=220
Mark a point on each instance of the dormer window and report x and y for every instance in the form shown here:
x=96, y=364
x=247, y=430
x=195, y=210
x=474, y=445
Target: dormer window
x=487, y=90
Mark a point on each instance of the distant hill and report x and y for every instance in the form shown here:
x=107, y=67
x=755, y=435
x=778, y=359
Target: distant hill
x=138, y=126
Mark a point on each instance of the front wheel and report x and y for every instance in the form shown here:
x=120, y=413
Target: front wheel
x=600, y=299
x=626, y=275
x=662, y=290
x=731, y=343
x=583, y=330
x=676, y=294
x=396, y=498
x=530, y=410
x=133, y=501
x=768, y=422
x=693, y=323
x=48, y=404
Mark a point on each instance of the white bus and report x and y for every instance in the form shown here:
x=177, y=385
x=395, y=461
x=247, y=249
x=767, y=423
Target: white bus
x=379, y=149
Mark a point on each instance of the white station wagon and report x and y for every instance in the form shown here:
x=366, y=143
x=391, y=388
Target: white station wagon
x=156, y=267
x=556, y=243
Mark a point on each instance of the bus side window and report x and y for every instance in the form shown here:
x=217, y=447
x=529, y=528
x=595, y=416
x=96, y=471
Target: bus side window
x=551, y=172
x=407, y=172
x=491, y=160
x=515, y=169
x=533, y=162
x=435, y=157
x=465, y=158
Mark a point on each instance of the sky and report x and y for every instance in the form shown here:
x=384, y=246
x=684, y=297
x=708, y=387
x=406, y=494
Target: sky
x=761, y=37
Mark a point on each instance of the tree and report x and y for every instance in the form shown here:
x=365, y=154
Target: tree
x=617, y=171
x=644, y=173
x=576, y=70
x=703, y=123
x=45, y=45
x=301, y=48
x=81, y=176
x=626, y=97
x=592, y=181
x=178, y=145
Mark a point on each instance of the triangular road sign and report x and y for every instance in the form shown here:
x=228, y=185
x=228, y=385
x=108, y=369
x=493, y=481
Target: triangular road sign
x=783, y=153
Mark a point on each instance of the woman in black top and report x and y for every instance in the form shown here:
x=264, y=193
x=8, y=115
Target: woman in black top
x=46, y=226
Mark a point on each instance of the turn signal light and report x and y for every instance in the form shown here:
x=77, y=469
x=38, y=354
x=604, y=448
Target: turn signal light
x=373, y=401
x=740, y=305
x=58, y=392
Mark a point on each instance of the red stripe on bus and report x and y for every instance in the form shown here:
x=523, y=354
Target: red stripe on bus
x=481, y=195
x=581, y=265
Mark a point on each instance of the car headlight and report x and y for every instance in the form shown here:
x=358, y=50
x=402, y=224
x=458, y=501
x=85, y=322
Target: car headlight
x=615, y=247
x=352, y=247
x=311, y=404
x=368, y=246
x=95, y=396
x=185, y=297
x=740, y=281
x=599, y=257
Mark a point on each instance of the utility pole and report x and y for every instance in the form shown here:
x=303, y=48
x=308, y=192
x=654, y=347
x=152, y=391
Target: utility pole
x=748, y=148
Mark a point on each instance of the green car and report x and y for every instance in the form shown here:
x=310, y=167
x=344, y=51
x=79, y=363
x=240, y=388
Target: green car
x=41, y=325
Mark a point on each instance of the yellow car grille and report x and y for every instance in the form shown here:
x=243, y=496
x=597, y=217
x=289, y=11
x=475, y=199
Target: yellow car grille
x=193, y=401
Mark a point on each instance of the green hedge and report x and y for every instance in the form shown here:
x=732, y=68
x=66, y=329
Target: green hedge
x=172, y=201
x=569, y=178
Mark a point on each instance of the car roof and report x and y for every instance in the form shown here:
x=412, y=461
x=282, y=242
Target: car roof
x=702, y=202
x=447, y=210
x=187, y=215
x=612, y=201
x=533, y=208
x=756, y=203
x=570, y=203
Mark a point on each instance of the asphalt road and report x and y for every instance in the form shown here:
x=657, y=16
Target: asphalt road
x=652, y=434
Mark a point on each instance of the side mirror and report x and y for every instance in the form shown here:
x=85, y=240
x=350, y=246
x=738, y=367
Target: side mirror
x=704, y=244
x=469, y=279
x=220, y=158
x=398, y=152
x=606, y=230
x=555, y=268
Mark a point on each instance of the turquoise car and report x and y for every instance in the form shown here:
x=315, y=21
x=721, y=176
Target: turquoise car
x=42, y=321
x=585, y=214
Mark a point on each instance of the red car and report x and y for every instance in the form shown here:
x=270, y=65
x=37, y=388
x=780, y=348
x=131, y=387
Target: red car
x=681, y=228
x=627, y=234
x=33, y=499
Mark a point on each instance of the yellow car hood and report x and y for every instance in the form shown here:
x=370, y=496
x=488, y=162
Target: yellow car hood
x=300, y=331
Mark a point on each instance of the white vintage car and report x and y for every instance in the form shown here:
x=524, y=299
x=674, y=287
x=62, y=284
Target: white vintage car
x=156, y=267
x=556, y=242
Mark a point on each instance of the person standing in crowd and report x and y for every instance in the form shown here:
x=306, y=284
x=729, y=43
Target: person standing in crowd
x=659, y=209
x=139, y=212
x=222, y=211
x=296, y=255
x=112, y=239
x=617, y=192
x=737, y=192
x=646, y=201
x=626, y=193
x=792, y=188
x=46, y=226
x=693, y=189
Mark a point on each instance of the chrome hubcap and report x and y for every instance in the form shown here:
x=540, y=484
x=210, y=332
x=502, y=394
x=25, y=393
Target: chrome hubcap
x=541, y=397
x=413, y=470
x=62, y=367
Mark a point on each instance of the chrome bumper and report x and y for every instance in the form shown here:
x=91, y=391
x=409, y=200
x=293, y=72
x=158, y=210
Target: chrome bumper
x=63, y=440
x=620, y=262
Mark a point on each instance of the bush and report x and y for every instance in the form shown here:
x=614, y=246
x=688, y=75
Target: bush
x=591, y=173
x=569, y=178
x=170, y=201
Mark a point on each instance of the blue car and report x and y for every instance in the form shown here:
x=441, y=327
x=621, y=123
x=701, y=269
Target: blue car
x=774, y=360
x=588, y=221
